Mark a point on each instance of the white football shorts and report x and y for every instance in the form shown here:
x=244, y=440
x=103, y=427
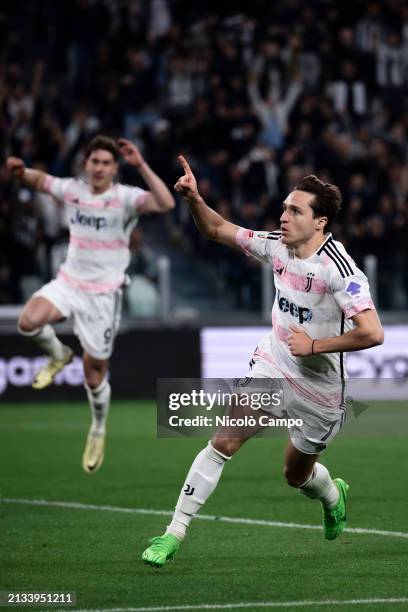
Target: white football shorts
x=320, y=423
x=96, y=316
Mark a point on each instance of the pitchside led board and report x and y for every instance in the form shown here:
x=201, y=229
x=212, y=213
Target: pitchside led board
x=377, y=373
x=143, y=356
x=140, y=357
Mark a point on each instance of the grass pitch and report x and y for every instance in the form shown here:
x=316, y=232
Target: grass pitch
x=97, y=552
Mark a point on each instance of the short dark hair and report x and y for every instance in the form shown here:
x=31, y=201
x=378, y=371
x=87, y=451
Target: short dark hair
x=105, y=143
x=327, y=200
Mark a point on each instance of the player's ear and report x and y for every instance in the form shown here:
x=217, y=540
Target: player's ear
x=322, y=222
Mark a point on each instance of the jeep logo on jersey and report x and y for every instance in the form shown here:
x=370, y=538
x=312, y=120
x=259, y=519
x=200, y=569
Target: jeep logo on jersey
x=299, y=312
x=353, y=289
x=89, y=220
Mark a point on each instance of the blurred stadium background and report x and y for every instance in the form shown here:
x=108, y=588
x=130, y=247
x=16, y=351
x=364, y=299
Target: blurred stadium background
x=256, y=95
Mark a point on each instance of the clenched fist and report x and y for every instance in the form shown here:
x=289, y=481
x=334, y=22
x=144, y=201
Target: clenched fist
x=299, y=342
x=15, y=166
x=130, y=153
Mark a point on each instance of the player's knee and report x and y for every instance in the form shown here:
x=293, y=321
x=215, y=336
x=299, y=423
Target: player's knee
x=93, y=378
x=94, y=370
x=227, y=446
x=293, y=478
x=94, y=373
x=28, y=322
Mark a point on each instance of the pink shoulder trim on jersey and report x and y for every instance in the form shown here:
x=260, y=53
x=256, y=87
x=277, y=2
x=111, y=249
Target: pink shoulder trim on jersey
x=141, y=200
x=88, y=286
x=332, y=401
x=48, y=181
x=243, y=237
x=298, y=281
x=354, y=309
x=87, y=243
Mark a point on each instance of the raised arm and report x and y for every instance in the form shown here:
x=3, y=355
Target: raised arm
x=32, y=178
x=160, y=199
x=209, y=222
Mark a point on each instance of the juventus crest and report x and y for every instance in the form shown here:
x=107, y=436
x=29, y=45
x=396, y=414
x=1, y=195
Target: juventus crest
x=309, y=279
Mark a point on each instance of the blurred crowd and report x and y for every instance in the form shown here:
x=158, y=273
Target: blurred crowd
x=256, y=97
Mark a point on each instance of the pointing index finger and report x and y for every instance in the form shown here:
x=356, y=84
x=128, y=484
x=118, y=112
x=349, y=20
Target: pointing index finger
x=185, y=165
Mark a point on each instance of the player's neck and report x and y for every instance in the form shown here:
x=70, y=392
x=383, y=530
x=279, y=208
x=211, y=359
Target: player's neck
x=306, y=249
x=98, y=190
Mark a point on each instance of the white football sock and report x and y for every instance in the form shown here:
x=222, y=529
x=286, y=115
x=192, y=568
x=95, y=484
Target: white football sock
x=201, y=481
x=320, y=486
x=47, y=340
x=99, y=401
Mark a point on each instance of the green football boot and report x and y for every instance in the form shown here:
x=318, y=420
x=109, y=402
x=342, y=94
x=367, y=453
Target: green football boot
x=334, y=519
x=161, y=549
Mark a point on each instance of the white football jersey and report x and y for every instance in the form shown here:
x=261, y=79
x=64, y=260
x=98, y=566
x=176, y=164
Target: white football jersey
x=319, y=294
x=100, y=226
